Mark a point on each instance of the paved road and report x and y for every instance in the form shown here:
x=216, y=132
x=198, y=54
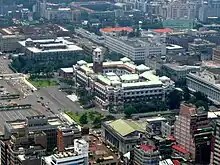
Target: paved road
x=59, y=99
x=4, y=65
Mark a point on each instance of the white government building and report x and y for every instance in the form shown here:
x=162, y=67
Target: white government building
x=119, y=82
x=137, y=49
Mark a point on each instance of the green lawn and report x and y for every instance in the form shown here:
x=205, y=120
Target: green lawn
x=42, y=83
x=74, y=116
x=91, y=115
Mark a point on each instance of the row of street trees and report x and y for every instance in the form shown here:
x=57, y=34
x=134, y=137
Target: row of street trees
x=173, y=101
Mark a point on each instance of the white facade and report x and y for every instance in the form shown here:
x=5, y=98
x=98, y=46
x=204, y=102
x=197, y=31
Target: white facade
x=206, y=83
x=137, y=49
x=92, y=36
x=79, y=156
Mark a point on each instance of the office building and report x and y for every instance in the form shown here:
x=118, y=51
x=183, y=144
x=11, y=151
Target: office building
x=74, y=155
x=209, y=9
x=153, y=126
x=137, y=49
x=193, y=133
x=49, y=125
x=118, y=82
x=206, y=82
x=66, y=136
x=180, y=9
x=167, y=127
x=62, y=14
x=146, y=155
x=216, y=54
x=9, y=39
x=48, y=49
x=177, y=72
x=91, y=36
x=23, y=147
x=202, y=48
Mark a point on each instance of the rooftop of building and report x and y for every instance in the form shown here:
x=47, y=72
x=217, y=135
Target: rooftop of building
x=44, y=29
x=67, y=70
x=177, y=67
x=53, y=121
x=140, y=75
x=180, y=149
x=116, y=29
x=165, y=30
x=139, y=42
x=60, y=44
x=125, y=127
x=146, y=148
x=173, y=47
x=201, y=42
x=99, y=151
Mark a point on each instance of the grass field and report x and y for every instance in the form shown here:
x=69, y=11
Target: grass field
x=42, y=83
x=91, y=115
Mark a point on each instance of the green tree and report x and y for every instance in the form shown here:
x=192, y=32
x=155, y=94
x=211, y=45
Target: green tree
x=186, y=94
x=129, y=110
x=174, y=99
x=97, y=122
x=201, y=103
x=83, y=119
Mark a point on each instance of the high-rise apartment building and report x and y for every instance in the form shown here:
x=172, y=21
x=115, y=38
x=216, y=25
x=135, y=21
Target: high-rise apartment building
x=193, y=133
x=215, y=156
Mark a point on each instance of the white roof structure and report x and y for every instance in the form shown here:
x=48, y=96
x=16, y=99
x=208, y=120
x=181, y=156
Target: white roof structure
x=51, y=45
x=125, y=59
x=142, y=67
x=67, y=70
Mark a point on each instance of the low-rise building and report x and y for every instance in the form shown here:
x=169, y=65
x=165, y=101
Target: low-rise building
x=118, y=82
x=124, y=134
x=177, y=72
x=78, y=154
x=66, y=72
x=203, y=48
x=101, y=153
x=146, y=155
x=48, y=49
x=206, y=82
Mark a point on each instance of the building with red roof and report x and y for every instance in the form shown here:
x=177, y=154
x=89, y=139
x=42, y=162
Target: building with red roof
x=146, y=155
x=166, y=30
x=116, y=29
